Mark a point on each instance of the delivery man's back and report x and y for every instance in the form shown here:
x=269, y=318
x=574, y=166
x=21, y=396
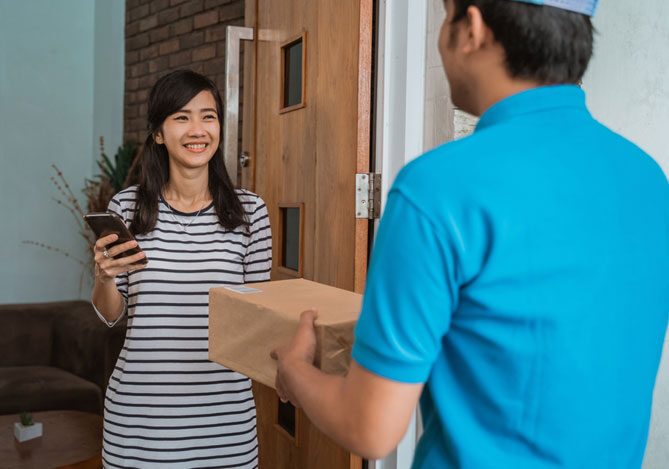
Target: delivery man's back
x=553, y=236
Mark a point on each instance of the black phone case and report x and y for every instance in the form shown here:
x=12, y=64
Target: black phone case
x=104, y=224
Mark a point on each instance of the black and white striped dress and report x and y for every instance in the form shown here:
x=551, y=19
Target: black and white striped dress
x=167, y=405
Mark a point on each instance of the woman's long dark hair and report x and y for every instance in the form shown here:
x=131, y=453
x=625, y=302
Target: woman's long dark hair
x=170, y=94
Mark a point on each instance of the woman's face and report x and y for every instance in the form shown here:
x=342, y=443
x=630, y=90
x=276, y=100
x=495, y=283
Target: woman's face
x=192, y=134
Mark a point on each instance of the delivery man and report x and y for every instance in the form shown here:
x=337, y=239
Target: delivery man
x=519, y=283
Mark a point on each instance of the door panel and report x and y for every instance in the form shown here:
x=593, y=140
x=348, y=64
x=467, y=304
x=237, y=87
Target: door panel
x=308, y=157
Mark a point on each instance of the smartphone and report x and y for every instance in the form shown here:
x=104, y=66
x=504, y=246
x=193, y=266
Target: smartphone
x=104, y=224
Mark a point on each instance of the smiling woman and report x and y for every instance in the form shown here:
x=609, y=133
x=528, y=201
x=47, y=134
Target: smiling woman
x=185, y=108
x=195, y=129
x=167, y=405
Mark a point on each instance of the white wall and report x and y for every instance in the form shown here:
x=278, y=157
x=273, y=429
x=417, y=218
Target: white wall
x=443, y=122
x=628, y=79
x=439, y=111
x=61, y=84
x=628, y=89
x=109, y=75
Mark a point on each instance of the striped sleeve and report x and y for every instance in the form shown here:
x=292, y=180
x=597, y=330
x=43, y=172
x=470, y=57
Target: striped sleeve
x=121, y=279
x=258, y=258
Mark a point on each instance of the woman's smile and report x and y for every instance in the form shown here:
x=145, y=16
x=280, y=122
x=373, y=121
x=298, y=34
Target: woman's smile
x=196, y=147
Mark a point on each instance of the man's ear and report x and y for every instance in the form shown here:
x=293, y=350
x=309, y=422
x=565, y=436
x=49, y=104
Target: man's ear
x=158, y=137
x=478, y=32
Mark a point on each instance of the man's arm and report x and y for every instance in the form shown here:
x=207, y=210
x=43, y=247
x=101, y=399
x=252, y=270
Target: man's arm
x=410, y=294
x=363, y=412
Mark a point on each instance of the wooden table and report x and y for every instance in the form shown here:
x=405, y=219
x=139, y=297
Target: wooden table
x=70, y=439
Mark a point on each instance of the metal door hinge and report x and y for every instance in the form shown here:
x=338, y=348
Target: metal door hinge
x=368, y=195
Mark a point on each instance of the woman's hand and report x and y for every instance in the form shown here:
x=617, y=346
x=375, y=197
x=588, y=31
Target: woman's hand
x=106, y=267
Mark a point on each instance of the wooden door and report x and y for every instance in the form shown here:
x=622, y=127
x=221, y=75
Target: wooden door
x=306, y=128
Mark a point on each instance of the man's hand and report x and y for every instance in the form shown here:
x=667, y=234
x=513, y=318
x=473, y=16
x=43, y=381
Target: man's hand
x=363, y=412
x=301, y=349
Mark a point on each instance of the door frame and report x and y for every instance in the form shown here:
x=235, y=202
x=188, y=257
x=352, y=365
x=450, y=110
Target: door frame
x=399, y=124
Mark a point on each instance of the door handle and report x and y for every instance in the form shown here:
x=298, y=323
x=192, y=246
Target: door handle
x=244, y=159
x=234, y=34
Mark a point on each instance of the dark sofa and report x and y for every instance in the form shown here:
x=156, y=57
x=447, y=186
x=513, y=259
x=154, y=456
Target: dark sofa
x=55, y=356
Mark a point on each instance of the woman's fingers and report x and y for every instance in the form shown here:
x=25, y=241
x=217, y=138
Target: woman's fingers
x=116, y=250
x=127, y=263
x=112, y=267
x=108, y=266
x=104, y=241
x=129, y=260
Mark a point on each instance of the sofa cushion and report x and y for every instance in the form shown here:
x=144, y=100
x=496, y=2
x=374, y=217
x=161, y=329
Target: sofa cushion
x=84, y=345
x=39, y=388
x=27, y=333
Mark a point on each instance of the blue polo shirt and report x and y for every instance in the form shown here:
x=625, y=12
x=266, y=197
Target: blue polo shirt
x=522, y=273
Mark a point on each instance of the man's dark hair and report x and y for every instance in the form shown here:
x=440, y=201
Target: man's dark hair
x=542, y=43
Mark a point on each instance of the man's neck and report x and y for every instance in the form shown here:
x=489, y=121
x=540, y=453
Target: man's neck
x=493, y=88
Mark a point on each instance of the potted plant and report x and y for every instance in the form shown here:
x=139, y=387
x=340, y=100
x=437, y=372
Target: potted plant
x=114, y=175
x=26, y=429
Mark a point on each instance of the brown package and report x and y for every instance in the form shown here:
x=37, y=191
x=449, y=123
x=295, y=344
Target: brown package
x=245, y=327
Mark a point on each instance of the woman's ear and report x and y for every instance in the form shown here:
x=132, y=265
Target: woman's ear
x=158, y=137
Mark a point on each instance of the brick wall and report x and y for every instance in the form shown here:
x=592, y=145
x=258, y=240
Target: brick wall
x=165, y=35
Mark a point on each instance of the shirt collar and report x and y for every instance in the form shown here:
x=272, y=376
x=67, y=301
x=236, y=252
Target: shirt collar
x=531, y=101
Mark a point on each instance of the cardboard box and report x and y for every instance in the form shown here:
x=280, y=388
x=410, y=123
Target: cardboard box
x=247, y=322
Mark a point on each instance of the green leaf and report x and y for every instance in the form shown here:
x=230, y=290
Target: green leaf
x=26, y=419
x=117, y=171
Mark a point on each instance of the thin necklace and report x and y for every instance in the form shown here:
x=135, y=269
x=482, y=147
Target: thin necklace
x=174, y=215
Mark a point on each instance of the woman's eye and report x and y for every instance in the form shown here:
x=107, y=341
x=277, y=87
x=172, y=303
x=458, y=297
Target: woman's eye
x=181, y=118
x=210, y=116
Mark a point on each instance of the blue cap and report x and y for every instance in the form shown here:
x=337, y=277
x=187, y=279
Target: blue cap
x=586, y=7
